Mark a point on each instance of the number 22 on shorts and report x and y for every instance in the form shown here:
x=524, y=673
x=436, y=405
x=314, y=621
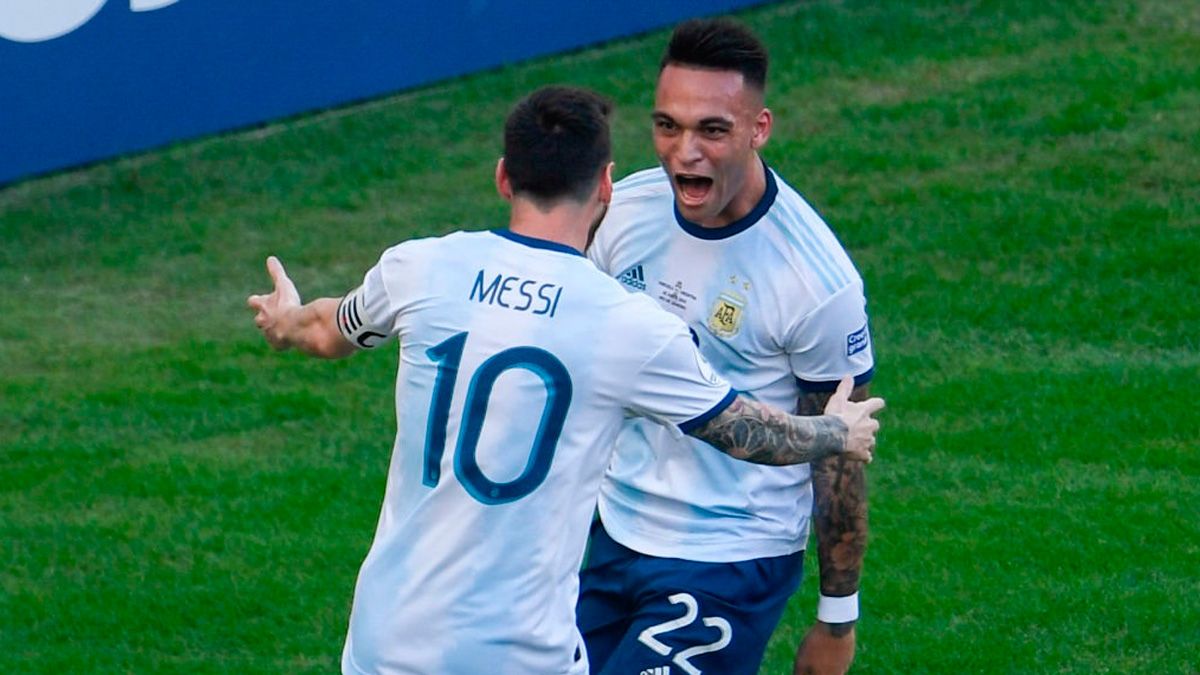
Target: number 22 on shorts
x=690, y=614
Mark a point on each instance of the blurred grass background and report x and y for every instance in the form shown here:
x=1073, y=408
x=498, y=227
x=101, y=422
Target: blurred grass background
x=1018, y=181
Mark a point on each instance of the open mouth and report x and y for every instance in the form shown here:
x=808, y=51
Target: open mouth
x=693, y=189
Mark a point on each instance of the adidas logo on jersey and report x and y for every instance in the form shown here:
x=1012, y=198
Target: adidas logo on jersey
x=661, y=670
x=634, y=278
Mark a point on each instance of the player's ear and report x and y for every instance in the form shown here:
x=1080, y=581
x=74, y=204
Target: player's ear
x=606, y=184
x=503, y=184
x=762, y=128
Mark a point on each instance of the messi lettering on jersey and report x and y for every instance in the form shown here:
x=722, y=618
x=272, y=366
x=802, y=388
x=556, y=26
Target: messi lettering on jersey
x=513, y=292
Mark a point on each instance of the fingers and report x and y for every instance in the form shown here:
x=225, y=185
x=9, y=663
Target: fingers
x=863, y=455
x=863, y=429
x=259, y=304
x=873, y=405
x=275, y=269
x=841, y=396
x=845, y=386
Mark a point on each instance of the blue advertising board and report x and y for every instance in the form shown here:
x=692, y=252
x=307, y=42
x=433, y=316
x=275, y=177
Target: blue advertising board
x=83, y=80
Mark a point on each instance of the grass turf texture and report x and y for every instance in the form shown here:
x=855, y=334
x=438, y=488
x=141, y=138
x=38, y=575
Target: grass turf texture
x=1017, y=182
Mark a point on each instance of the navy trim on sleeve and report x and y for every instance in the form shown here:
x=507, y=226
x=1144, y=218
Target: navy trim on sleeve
x=533, y=242
x=817, y=387
x=741, y=224
x=697, y=422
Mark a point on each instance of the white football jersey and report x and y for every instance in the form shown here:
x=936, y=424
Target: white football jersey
x=519, y=361
x=776, y=307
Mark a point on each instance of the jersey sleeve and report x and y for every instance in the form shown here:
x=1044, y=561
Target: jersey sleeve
x=367, y=315
x=676, y=386
x=833, y=341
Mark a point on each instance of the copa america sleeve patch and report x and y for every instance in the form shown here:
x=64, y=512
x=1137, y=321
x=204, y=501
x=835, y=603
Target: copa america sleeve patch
x=856, y=341
x=351, y=324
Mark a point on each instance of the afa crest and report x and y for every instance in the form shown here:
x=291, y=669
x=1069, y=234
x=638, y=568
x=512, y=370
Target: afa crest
x=725, y=319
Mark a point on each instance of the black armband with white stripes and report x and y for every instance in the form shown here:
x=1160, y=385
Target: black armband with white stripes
x=350, y=321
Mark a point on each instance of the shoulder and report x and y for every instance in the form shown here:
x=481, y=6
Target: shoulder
x=645, y=184
x=621, y=306
x=640, y=200
x=645, y=324
x=805, y=238
x=639, y=196
x=426, y=247
x=792, y=211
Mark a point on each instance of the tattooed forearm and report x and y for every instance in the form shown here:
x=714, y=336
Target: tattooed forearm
x=839, y=510
x=840, y=521
x=751, y=431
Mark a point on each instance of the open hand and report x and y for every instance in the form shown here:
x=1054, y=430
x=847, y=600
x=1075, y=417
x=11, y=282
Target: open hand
x=860, y=441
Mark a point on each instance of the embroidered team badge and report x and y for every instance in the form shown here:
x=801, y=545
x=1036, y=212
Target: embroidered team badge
x=725, y=320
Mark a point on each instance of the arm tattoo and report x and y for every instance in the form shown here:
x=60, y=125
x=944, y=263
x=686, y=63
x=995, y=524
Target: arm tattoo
x=753, y=432
x=839, y=509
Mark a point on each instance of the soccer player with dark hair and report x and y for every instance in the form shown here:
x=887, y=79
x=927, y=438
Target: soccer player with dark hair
x=519, y=361
x=695, y=556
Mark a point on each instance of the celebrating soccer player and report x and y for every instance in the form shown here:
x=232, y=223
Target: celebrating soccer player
x=696, y=555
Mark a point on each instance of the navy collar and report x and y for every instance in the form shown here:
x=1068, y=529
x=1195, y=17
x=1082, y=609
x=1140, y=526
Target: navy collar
x=741, y=224
x=533, y=242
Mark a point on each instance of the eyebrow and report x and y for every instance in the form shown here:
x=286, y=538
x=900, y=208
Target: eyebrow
x=716, y=120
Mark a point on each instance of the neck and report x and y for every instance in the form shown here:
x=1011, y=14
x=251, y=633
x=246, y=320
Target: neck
x=747, y=198
x=564, y=222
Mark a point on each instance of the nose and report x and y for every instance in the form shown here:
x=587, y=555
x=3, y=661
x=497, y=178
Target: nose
x=687, y=150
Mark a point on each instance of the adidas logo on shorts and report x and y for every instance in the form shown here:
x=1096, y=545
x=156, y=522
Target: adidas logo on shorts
x=661, y=670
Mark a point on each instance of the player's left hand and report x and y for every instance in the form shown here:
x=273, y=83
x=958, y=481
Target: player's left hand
x=861, y=426
x=826, y=650
x=272, y=310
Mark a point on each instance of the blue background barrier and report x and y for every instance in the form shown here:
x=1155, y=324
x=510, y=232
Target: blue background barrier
x=142, y=73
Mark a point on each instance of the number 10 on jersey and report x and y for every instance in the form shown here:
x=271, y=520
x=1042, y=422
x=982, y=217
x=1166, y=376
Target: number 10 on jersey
x=553, y=374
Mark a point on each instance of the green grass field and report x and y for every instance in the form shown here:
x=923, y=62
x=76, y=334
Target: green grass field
x=1019, y=183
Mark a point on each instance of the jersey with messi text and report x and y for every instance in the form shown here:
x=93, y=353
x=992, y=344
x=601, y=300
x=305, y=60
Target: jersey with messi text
x=519, y=362
x=777, y=307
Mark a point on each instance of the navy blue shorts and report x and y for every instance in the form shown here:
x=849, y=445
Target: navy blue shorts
x=644, y=615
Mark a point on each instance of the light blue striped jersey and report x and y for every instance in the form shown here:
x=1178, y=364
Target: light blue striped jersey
x=519, y=361
x=776, y=306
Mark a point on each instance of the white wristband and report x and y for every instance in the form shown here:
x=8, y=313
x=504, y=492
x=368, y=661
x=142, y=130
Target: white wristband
x=838, y=610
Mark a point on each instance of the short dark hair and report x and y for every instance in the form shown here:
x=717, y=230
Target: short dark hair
x=556, y=141
x=720, y=44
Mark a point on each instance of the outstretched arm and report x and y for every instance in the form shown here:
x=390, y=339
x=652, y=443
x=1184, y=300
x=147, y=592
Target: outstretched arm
x=840, y=523
x=757, y=433
x=286, y=323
